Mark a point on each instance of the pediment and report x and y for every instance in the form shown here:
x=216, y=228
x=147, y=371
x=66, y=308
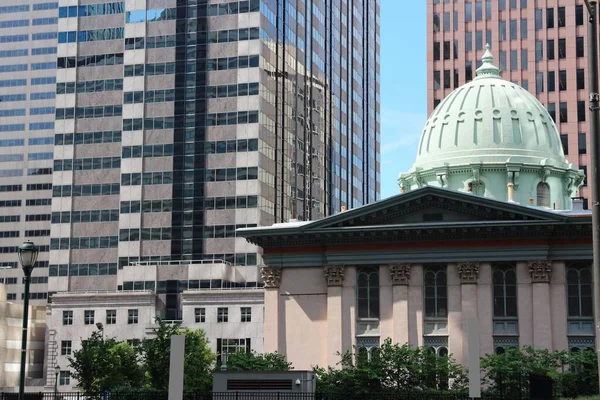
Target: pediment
x=431, y=205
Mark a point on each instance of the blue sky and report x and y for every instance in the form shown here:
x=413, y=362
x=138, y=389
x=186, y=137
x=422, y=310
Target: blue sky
x=403, y=87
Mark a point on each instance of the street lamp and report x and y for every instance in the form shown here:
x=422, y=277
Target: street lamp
x=56, y=373
x=28, y=255
x=594, y=178
x=100, y=328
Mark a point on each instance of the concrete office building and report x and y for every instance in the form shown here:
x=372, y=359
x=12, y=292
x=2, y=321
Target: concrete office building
x=28, y=40
x=541, y=45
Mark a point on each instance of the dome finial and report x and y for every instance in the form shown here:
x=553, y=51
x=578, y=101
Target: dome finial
x=487, y=67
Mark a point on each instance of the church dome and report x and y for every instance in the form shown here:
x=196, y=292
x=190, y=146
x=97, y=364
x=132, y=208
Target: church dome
x=493, y=138
x=489, y=120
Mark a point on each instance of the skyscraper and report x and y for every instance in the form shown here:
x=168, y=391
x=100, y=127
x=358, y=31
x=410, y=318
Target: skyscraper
x=28, y=41
x=180, y=121
x=540, y=45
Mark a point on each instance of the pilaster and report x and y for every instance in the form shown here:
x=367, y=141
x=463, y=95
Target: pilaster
x=271, y=277
x=541, y=274
x=334, y=277
x=400, y=277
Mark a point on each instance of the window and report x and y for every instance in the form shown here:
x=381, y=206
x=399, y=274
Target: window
x=579, y=15
x=580, y=79
x=562, y=80
x=524, y=60
x=456, y=78
x=550, y=49
x=504, y=280
x=514, y=60
x=436, y=51
x=132, y=317
x=523, y=28
x=579, y=46
x=581, y=143
x=447, y=79
x=583, y=168
x=200, y=315
x=228, y=346
x=564, y=140
x=88, y=317
x=222, y=314
x=436, y=80
x=543, y=194
x=246, y=313
x=502, y=61
x=447, y=50
x=581, y=113
x=64, y=378
x=67, y=317
x=468, y=41
x=561, y=17
x=478, y=40
x=468, y=71
x=552, y=111
x=539, y=50
x=564, y=115
x=549, y=18
x=65, y=347
x=436, y=297
x=538, y=19
x=502, y=30
x=436, y=22
x=468, y=12
x=579, y=290
x=446, y=22
x=368, y=292
x=478, y=10
x=514, y=35
x=111, y=317
x=456, y=49
x=562, y=49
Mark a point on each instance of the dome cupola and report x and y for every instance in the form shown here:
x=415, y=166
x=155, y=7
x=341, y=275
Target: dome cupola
x=489, y=134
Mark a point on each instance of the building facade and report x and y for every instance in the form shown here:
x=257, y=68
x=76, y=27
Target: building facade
x=28, y=45
x=541, y=46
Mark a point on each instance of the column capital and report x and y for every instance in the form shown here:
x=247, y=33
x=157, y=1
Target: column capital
x=541, y=271
x=334, y=275
x=400, y=274
x=271, y=276
x=468, y=272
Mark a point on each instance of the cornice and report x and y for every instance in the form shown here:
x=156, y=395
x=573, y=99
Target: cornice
x=212, y=297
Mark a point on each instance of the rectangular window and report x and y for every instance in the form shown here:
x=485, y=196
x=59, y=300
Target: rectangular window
x=581, y=114
x=456, y=49
x=549, y=18
x=246, y=313
x=468, y=71
x=111, y=317
x=580, y=79
x=550, y=49
x=64, y=378
x=524, y=28
x=436, y=51
x=437, y=80
x=447, y=26
x=502, y=61
x=564, y=115
x=222, y=314
x=513, y=4
x=562, y=49
x=65, y=347
x=581, y=143
x=564, y=140
x=200, y=315
x=447, y=79
x=579, y=15
x=539, y=50
x=456, y=78
x=468, y=41
x=478, y=40
x=436, y=297
x=583, y=168
x=514, y=60
x=478, y=10
x=514, y=34
x=488, y=9
x=502, y=30
x=132, y=317
x=561, y=17
x=455, y=20
x=552, y=111
x=579, y=46
x=539, y=23
x=524, y=59
x=447, y=50
x=67, y=317
x=88, y=317
x=562, y=80
x=468, y=12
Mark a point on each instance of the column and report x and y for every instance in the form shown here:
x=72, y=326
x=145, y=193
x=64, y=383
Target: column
x=334, y=277
x=455, y=320
x=400, y=276
x=415, y=305
x=468, y=273
x=386, y=304
x=541, y=273
x=271, y=277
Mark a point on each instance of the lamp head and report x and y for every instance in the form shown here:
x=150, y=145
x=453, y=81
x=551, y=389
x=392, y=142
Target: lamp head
x=57, y=369
x=99, y=326
x=28, y=254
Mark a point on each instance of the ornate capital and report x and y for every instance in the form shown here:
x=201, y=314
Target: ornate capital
x=468, y=272
x=334, y=275
x=541, y=271
x=271, y=276
x=400, y=274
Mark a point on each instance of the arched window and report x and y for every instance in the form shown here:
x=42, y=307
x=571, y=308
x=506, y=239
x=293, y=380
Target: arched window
x=477, y=187
x=368, y=292
x=436, y=296
x=499, y=350
x=505, y=291
x=579, y=290
x=543, y=194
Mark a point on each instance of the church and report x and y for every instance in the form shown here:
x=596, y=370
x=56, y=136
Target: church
x=487, y=225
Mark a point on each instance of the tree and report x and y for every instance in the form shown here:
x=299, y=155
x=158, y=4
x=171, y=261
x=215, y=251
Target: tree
x=242, y=361
x=198, y=359
x=105, y=364
x=391, y=367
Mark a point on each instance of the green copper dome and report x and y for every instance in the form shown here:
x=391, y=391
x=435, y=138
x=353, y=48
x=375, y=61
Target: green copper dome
x=489, y=134
x=489, y=120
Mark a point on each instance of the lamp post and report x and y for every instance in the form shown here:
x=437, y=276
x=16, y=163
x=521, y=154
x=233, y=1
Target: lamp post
x=28, y=255
x=56, y=373
x=594, y=178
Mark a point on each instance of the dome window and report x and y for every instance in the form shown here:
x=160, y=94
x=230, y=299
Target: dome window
x=477, y=187
x=543, y=194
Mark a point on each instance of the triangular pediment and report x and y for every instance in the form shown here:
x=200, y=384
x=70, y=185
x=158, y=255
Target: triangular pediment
x=430, y=205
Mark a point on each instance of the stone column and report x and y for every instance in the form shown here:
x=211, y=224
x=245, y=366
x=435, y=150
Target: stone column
x=541, y=273
x=400, y=276
x=271, y=277
x=468, y=273
x=334, y=277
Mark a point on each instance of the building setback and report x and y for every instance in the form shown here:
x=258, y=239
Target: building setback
x=541, y=46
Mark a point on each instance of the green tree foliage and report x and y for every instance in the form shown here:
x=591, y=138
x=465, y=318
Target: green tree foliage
x=391, y=367
x=198, y=360
x=573, y=373
x=242, y=361
x=105, y=364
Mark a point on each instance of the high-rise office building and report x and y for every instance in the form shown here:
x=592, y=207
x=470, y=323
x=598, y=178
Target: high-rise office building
x=28, y=41
x=541, y=45
x=178, y=122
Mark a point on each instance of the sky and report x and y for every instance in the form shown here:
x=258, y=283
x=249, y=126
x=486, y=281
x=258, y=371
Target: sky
x=403, y=87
